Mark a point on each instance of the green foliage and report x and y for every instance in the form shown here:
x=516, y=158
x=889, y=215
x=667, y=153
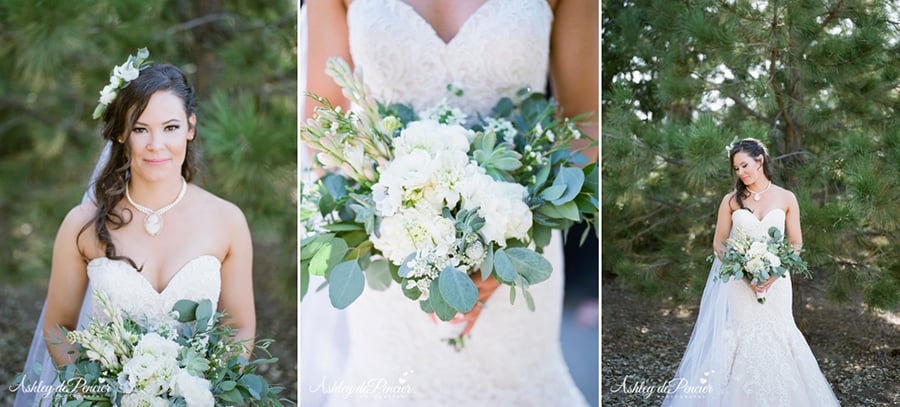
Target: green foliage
x=59, y=58
x=816, y=81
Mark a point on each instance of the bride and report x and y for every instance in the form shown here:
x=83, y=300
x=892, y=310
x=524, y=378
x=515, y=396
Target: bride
x=742, y=353
x=148, y=237
x=386, y=351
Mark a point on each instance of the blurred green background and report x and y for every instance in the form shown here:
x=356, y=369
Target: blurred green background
x=57, y=55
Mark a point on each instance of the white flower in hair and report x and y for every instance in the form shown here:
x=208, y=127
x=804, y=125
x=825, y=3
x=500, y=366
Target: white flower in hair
x=108, y=94
x=121, y=76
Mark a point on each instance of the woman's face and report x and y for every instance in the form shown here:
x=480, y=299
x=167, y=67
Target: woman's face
x=158, y=140
x=748, y=169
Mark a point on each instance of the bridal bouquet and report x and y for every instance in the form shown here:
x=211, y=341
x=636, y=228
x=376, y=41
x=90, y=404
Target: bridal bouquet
x=759, y=259
x=191, y=360
x=426, y=199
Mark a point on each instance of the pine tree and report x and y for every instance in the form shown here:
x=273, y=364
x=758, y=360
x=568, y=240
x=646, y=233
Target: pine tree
x=817, y=81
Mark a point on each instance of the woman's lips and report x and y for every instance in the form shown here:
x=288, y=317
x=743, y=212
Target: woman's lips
x=156, y=161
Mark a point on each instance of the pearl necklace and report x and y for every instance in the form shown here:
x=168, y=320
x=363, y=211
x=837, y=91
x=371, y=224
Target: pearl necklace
x=153, y=222
x=758, y=195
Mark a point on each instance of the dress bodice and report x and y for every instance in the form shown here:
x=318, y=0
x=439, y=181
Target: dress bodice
x=502, y=47
x=131, y=293
x=751, y=226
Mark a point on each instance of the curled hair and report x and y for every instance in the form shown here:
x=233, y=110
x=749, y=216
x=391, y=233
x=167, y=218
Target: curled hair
x=755, y=149
x=118, y=121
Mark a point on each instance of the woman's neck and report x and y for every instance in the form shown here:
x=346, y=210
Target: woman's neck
x=155, y=194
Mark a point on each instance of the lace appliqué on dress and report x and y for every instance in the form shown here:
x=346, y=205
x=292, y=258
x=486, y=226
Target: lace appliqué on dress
x=130, y=292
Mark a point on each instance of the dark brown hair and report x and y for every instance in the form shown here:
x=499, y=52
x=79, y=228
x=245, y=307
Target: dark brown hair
x=118, y=121
x=755, y=149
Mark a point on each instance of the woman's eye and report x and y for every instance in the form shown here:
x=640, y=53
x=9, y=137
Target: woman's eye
x=139, y=130
x=172, y=127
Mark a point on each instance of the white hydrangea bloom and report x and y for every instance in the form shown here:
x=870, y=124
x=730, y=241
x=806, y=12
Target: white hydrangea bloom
x=143, y=399
x=195, y=390
x=153, y=364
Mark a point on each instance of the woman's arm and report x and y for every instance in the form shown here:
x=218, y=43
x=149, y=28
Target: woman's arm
x=328, y=36
x=792, y=223
x=68, y=282
x=723, y=226
x=574, y=70
x=236, y=297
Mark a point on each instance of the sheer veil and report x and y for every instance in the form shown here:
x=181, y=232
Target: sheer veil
x=701, y=374
x=40, y=371
x=323, y=329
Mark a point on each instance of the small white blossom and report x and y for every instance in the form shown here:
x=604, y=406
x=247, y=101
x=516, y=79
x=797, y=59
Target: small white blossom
x=108, y=94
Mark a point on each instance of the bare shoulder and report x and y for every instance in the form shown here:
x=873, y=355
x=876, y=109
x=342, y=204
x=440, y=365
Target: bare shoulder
x=81, y=214
x=221, y=209
x=729, y=201
x=785, y=196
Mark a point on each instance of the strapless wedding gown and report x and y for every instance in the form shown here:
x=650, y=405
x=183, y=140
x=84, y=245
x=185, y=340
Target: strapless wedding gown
x=133, y=294
x=395, y=355
x=760, y=357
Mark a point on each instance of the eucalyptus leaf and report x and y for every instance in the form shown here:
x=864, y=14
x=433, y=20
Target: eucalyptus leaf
x=328, y=256
x=442, y=309
x=378, y=275
x=541, y=176
x=541, y=235
x=204, y=310
x=487, y=266
x=412, y=292
x=311, y=245
x=457, y=289
x=304, y=278
x=406, y=271
x=533, y=267
x=528, y=299
x=552, y=192
x=187, y=310
x=343, y=227
x=506, y=271
x=573, y=179
x=345, y=284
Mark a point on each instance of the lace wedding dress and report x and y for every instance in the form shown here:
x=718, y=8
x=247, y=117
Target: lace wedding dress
x=743, y=353
x=395, y=354
x=133, y=294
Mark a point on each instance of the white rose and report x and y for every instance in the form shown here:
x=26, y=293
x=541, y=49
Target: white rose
x=108, y=94
x=431, y=136
x=773, y=260
x=127, y=71
x=757, y=249
x=195, y=390
x=755, y=266
x=115, y=81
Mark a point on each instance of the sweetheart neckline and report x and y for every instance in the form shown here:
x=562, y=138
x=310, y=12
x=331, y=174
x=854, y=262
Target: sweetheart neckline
x=754, y=215
x=434, y=32
x=149, y=284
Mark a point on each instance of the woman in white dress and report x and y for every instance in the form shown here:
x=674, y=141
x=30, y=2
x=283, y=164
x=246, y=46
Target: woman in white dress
x=741, y=352
x=149, y=237
x=409, y=52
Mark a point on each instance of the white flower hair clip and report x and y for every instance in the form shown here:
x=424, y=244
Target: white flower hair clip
x=120, y=77
x=731, y=145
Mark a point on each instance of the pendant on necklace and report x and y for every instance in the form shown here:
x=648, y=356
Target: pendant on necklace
x=153, y=223
x=756, y=196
